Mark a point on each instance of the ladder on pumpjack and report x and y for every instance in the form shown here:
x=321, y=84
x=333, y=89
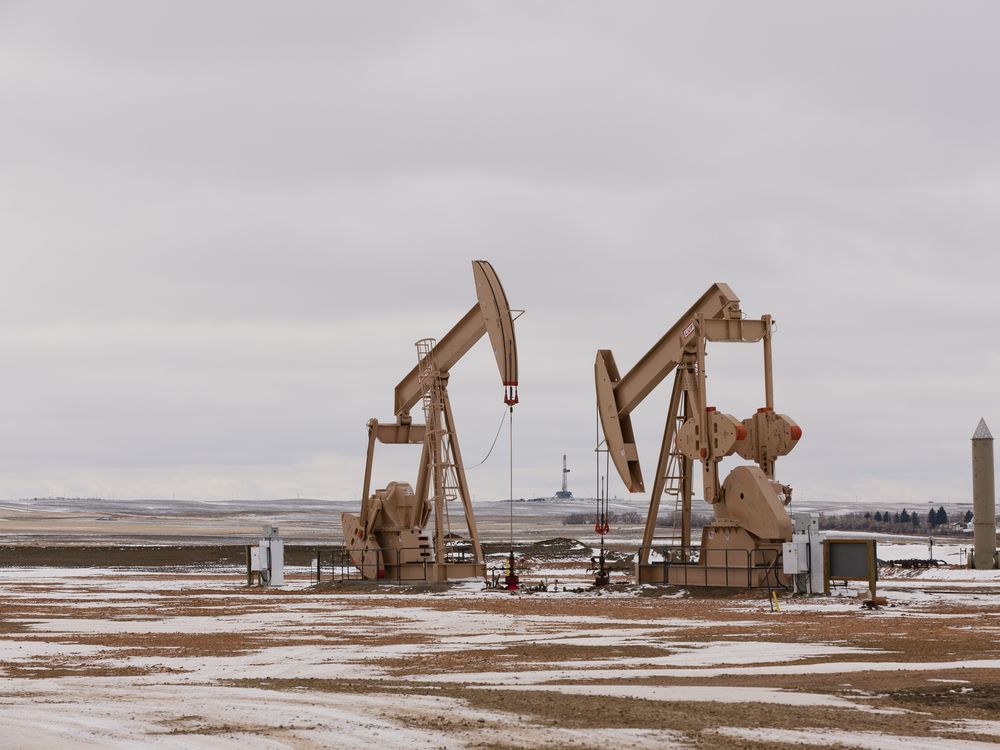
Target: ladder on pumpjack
x=437, y=437
x=672, y=486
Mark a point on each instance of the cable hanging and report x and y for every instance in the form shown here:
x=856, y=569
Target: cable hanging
x=602, y=517
x=503, y=417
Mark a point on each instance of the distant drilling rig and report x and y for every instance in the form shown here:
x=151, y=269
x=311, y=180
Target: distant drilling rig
x=564, y=493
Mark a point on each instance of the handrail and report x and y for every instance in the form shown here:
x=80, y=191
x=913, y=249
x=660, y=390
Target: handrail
x=739, y=564
x=340, y=558
x=343, y=568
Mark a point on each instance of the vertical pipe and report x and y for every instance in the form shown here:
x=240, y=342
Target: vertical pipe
x=701, y=390
x=434, y=454
x=872, y=566
x=711, y=473
x=366, y=488
x=826, y=568
x=687, y=487
x=983, y=498
x=768, y=375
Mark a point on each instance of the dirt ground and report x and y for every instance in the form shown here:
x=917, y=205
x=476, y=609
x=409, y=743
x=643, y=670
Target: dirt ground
x=159, y=555
x=147, y=656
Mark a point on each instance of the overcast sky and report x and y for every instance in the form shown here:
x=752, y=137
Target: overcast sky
x=224, y=225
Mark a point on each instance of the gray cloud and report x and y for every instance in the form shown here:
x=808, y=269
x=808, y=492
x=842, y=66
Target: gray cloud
x=224, y=225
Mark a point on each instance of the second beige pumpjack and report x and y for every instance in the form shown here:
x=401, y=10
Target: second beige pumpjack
x=742, y=546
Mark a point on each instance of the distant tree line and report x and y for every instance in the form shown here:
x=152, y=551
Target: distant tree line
x=889, y=522
x=902, y=522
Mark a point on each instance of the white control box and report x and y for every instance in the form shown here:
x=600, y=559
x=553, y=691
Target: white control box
x=267, y=558
x=795, y=557
x=802, y=557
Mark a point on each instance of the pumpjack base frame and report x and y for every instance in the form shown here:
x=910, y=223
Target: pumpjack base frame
x=432, y=572
x=753, y=566
x=699, y=576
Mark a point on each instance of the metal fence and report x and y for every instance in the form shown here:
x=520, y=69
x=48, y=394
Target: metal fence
x=337, y=560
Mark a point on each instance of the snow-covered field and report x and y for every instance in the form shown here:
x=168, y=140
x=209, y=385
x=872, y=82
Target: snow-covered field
x=189, y=657
x=138, y=658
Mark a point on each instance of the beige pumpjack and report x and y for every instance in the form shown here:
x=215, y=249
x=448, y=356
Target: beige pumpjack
x=742, y=546
x=388, y=538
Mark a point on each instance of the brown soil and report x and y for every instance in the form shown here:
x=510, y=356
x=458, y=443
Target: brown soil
x=130, y=556
x=915, y=703
x=694, y=719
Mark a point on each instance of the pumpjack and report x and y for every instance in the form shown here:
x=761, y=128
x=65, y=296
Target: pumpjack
x=388, y=538
x=742, y=545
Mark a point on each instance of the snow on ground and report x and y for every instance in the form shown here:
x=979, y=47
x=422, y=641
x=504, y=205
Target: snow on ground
x=177, y=700
x=951, y=553
x=694, y=693
x=872, y=740
x=449, y=631
x=543, y=676
x=951, y=575
x=973, y=726
x=102, y=713
x=713, y=653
